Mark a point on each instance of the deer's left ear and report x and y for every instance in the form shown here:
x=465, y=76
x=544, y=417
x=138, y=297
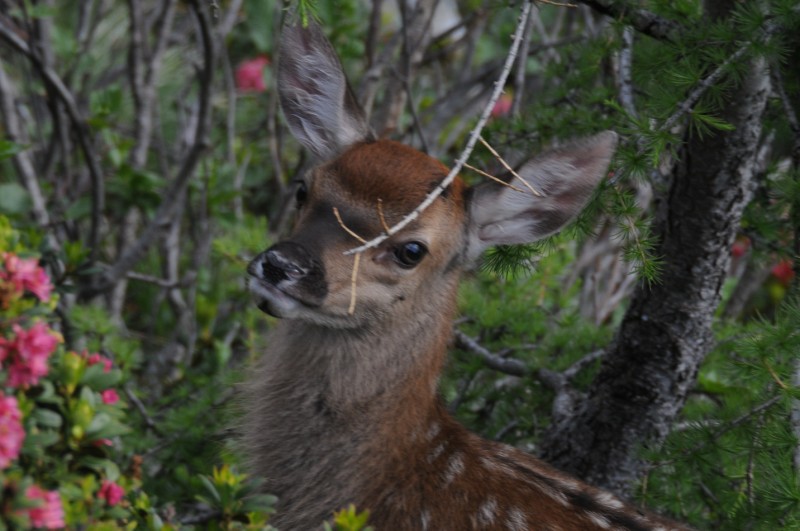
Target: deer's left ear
x=321, y=109
x=566, y=177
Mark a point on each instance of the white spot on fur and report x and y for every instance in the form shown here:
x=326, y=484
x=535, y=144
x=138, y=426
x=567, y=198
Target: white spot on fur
x=486, y=512
x=433, y=431
x=454, y=467
x=425, y=519
x=435, y=453
x=488, y=464
x=609, y=500
x=516, y=521
x=554, y=494
x=598, y=520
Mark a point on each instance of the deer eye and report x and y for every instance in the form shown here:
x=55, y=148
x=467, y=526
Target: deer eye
x=301, y=194
x=410, y=254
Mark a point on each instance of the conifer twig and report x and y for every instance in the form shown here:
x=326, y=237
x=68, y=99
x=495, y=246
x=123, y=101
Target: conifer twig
x=473, y=138
x=642, y=20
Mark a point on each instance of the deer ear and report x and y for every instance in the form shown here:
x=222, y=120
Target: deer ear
x=321, y=109
x=566, y=178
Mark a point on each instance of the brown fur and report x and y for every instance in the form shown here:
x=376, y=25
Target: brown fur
x=349, y=414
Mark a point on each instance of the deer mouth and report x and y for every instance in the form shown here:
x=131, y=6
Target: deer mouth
x=273, y=300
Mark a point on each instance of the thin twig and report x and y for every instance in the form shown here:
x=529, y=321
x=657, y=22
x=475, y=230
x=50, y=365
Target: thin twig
x=381, y=216
x=512, y=366
x=724, y=429
x=345, y=227
x=686, y=105
x=353, y=280
x=200, y=142
x=498, y=89
x=140, y=407
x=492, y=177
x=80, y=127
x=519, y=76
x=509, y=168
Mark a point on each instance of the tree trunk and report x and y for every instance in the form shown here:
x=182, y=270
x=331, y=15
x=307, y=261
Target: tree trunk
x=666, y=332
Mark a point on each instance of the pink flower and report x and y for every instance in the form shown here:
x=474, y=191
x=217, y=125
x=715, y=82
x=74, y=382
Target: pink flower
x=27, y=275
x=49, y=514
x=102, y=442
x=11, y=432
x=31, y=348
x=109, y=396
x=98, y=358
x=111, y=492
x=783, y=271
x=250, y=74
x=503, y=106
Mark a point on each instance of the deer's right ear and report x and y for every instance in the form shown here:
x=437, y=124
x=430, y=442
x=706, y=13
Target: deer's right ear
x=321, y=109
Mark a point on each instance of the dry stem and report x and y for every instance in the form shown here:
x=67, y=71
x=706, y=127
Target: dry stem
x=509, y=168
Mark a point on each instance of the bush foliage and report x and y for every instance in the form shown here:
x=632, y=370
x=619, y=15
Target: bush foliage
x=143, y=160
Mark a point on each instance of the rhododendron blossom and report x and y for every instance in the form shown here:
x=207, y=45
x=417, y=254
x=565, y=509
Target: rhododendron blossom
x=11, y=432
x=49, y=514
x=250, y=74
x=25, y=274
x=26, y=354
x=99, y=358
x=109, y=396
x=111, y=492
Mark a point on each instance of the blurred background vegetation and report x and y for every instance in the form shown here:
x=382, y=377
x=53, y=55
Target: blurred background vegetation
x=144, y=161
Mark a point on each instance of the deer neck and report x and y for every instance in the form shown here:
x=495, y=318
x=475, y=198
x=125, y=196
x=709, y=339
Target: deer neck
x=327, y=400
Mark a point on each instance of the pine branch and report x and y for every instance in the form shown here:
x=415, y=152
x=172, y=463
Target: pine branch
x=465, y=154
x=641, y=20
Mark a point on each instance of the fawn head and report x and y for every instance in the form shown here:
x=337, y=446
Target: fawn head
x=364, y=185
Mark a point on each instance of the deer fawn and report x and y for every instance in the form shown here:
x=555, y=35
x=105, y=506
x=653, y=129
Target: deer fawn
x=343, y=407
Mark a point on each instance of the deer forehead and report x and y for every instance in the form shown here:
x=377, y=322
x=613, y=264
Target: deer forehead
x=392, y=174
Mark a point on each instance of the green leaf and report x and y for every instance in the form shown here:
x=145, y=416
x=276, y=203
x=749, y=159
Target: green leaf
x=99, y=380
x=14, y=199
x=8, y=149
x=46, y=418
x=212, y=491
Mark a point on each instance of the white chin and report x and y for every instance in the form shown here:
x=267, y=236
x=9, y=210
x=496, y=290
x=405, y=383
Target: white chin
x=273, y=301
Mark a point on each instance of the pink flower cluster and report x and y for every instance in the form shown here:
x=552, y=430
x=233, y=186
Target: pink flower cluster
x=11, y=432
x=25, y=274
x=111, y=492
x=26, y=353
x=94, y=359
x=49, y=513
x=250, y=74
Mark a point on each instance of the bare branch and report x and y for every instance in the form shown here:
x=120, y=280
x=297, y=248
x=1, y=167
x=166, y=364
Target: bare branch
x=625, y=60
x=79, y=125
x=498, y=89
x=493, y=361
x=22, y=159
x=199, y=144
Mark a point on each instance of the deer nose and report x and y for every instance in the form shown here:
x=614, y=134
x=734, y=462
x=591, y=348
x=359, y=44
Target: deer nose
x=276, y=267
x=285, y=261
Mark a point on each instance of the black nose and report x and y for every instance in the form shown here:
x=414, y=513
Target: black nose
x=287, y=261
x=276, y=267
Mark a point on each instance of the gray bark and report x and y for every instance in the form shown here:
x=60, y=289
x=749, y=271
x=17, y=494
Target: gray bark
x=666, y=333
